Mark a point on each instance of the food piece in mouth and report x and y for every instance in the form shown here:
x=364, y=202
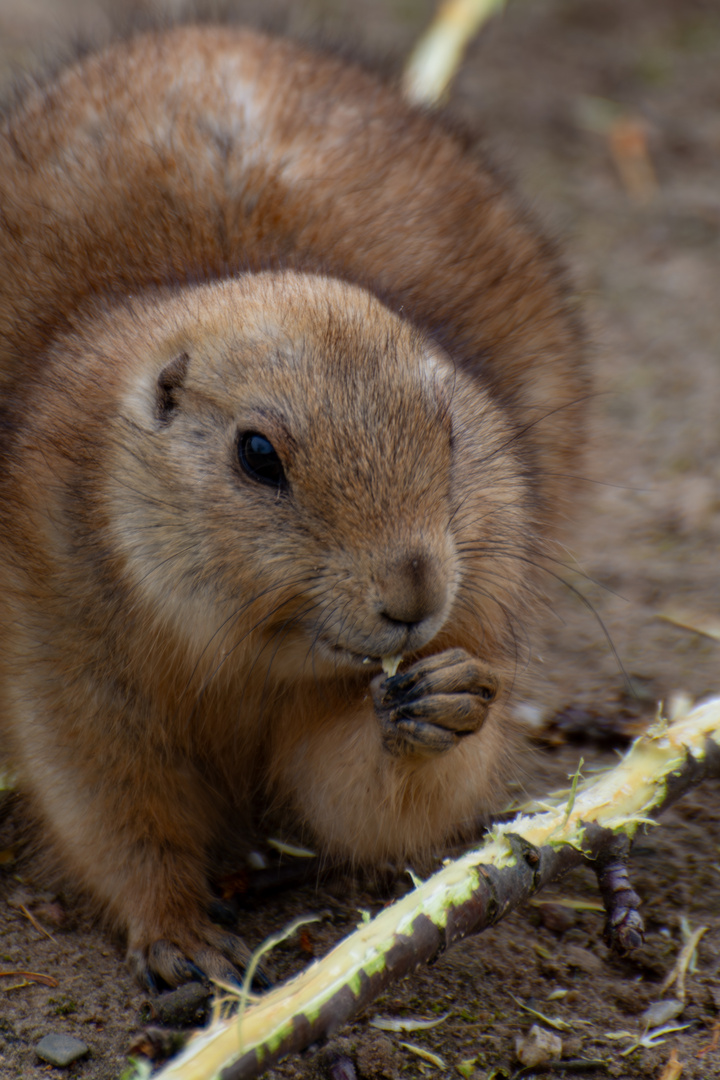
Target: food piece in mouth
x=390, y=664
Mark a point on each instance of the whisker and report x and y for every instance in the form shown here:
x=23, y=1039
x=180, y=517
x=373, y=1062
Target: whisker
x=496, y=554
x=278, y=637
x=164, y=562
x=235, y=615
x=518, y=435
x=256, y=626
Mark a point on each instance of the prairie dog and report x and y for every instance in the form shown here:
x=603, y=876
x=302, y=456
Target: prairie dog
x=290, y=385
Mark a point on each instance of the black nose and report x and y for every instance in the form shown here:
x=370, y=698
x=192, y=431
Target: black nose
x=414, y=588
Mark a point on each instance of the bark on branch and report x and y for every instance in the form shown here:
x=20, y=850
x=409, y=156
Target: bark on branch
x=473, y=892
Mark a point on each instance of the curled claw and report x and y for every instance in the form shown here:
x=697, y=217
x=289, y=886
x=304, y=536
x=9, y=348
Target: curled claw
x=406, y=734
x=453, y=671
x=624, y=927
x=434, y=704
x=221, y=958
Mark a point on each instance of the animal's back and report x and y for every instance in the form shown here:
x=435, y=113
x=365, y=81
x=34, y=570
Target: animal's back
x=191, y=155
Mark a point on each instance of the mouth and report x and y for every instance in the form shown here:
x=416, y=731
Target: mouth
x=389, y=664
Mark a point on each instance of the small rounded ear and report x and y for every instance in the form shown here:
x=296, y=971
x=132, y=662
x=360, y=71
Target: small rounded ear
x=170, y=380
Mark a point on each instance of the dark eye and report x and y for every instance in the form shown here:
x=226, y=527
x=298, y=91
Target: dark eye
x=260, y=459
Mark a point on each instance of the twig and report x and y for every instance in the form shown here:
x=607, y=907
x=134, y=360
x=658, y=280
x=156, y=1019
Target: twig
x=677, y=975
x=41, y=929
x=713, y=1045
x=438, y=54
x=31, y=976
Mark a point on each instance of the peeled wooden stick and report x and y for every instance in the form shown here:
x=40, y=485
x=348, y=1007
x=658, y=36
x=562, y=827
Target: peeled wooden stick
x=466, y=896
x=438, y=54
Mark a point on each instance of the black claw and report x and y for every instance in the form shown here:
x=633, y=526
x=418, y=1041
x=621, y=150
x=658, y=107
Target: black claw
x=414, y=736
x=141, y=970
x=400, y=685
x=196, y=973
x=430, y=707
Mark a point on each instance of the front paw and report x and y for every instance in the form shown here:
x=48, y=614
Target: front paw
x=437, y=702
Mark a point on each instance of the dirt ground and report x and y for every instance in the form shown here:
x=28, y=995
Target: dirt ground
x=545, y=83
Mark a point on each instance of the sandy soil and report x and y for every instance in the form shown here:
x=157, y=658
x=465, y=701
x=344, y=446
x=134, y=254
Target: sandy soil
x=541, y=83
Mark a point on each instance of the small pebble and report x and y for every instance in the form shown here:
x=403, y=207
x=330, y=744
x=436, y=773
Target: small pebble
x=342, y=1068
x=538, y=1047
x=556, y=917
x=157, y=1043
x=61, y=1050
x=582, y=959
x=530, y=714
x=631, y=999
x=186, y=1007
x=572, y=1046
x=662, y=1012
x=52, y=913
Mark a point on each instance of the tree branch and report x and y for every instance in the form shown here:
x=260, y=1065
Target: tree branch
x=466, y=896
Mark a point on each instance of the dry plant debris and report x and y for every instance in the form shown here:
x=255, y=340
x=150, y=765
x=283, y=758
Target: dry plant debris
x=437, y=56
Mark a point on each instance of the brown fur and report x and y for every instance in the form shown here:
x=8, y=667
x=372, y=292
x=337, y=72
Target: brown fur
x=210, y=231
